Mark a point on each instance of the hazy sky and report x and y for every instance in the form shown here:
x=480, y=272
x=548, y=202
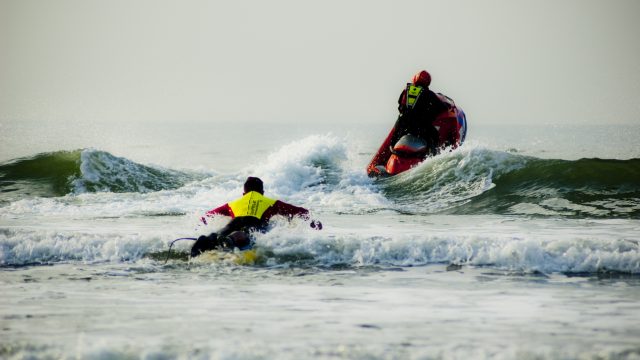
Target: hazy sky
x=503, y=61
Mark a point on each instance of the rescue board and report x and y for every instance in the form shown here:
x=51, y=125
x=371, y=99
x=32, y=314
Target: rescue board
x=237, y=257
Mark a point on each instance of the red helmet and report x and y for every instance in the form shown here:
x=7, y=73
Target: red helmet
x=422, y=78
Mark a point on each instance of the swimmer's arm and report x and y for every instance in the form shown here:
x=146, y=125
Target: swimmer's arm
x=221, y=210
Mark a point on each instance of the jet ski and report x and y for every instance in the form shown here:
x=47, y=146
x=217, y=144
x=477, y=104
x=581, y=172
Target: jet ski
x=411, y=150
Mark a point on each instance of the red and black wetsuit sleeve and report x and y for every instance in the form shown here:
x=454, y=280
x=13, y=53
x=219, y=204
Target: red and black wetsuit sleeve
x=221, y=210
x=284, y=209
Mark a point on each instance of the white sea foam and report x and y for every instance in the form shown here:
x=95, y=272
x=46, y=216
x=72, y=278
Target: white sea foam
x=519, y=248
x=52, y=246
x=512, y=247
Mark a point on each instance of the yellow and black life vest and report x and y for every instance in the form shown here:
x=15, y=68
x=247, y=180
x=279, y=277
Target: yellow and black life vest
x=251, y=204
x=413, y=93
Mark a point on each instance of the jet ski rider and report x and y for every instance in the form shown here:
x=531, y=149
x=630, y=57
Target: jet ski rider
x=249, y=213
x=418, y=107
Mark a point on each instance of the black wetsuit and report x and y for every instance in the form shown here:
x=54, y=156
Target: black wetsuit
x=221, y=239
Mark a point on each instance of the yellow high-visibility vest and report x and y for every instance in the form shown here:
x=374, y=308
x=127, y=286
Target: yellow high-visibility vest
x=251, y=204
x=413, y=93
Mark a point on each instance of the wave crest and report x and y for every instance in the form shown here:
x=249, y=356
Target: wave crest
x=83, y=171
x=103, y=172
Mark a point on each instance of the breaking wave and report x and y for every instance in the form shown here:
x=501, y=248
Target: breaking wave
x=83, y=171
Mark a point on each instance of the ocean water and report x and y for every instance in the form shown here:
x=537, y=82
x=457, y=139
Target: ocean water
x=524, y=243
